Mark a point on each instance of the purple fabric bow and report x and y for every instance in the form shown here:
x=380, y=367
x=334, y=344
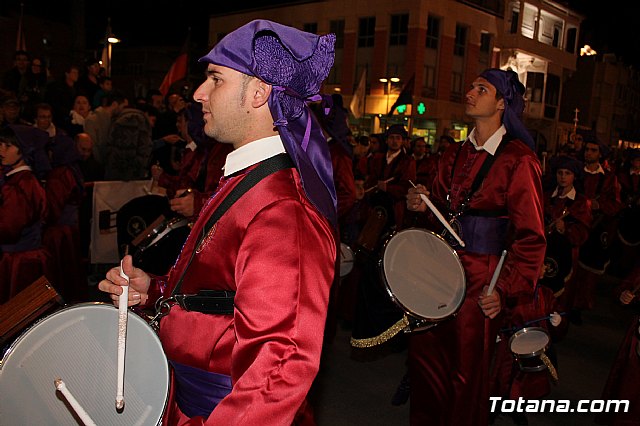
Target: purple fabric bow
x=512, y=91
x=295, y=63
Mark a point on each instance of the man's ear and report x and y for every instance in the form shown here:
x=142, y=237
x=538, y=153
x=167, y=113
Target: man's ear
x=500, y=105
x=261, y=92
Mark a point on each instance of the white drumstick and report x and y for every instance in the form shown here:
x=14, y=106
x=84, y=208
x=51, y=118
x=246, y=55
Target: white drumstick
x=123, y=301
x=441, y=218
x=496, y=273
x=84, y=417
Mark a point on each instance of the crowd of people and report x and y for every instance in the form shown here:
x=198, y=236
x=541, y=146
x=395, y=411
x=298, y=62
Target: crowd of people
x=543, y=229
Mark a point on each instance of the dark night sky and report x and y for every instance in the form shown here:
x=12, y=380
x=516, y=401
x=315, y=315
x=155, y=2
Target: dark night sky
x=609, y=26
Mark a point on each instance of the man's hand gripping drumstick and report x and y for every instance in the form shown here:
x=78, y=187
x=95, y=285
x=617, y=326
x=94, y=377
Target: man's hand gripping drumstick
x=417, y=200
x=489, y=301
x=127, y=286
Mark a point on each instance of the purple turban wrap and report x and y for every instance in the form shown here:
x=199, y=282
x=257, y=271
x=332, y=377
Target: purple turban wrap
x=295, y=63
x=33, y=144
x=568, y=163
x=512, y=91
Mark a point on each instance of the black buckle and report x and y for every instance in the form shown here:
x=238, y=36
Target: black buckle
x=216, y=302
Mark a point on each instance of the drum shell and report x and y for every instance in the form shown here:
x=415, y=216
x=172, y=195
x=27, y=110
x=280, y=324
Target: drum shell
x=428, y=283
x=629, y=226
x=347, y=258
x=530, y=361
x=79, y=345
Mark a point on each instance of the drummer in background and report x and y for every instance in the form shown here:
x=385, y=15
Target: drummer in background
x=567, y=211
x=626, y=248
x=603, y=191
x=275, y=247
x=568, y=217
x=449, y=364
x=201, y=166
x=23, y=209
x=624, y=375
x=337, y=132
x=390, y=173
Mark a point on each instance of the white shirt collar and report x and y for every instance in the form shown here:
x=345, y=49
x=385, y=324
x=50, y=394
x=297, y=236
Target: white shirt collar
x=570, y=195
x=253, y=153
x=491, y=145
x=390, y=156
x=596, y=171
x=17, y=169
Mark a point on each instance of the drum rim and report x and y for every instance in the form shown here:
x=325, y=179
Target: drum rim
x=351, y=257
x=160, y=231
x=524, y=331
x=393, y=297
x=26, y=331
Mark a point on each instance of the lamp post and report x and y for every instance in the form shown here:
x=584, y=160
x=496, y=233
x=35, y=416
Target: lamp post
x=388, y=80
x=110, y=39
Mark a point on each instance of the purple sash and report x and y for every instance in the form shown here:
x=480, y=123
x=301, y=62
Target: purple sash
x=483, y=235
x=30, y=239
x=198, y=391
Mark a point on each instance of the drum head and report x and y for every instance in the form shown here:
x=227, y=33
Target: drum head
x=529, y=341
x=423, y=274
x=79, y=345
x=346, y=259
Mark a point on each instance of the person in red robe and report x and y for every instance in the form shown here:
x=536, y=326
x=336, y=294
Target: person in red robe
x=603, y=191
x=23, y=209
x=270, y=257
x=622, y=383
x=61, y=237
x=502, y=210
x=389, y=176
x=568, y=215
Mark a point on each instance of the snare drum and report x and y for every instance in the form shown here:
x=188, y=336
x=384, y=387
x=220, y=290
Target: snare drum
x=423, y=275
x=528, y=346
x=346, y=259
x=79, y=345
x=159, y=249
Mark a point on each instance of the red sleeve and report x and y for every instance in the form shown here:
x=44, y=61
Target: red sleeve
x=20, y=206
x=344, y=182
x=579, y=221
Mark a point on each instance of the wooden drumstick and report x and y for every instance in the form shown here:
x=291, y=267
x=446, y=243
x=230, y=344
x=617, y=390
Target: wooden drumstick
x=80, y=412
x=123, y=301
x=374, y=187
x=441, y=218
x=496, y=273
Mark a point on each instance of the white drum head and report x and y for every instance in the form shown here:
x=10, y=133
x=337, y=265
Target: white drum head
x=529, y=341
x=346, y=259
x=79, y=345
x=423, y=274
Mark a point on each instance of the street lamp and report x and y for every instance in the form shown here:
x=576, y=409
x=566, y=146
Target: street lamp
x=109, y=40
x=388, y=80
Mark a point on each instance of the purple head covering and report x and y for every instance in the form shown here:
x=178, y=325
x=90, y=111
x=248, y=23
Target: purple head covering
x=295, y=63
x=512, y=91
x=32, y=143
x=569, y=163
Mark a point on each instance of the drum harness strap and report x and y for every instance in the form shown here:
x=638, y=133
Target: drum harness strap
x=218, y=302
x=477, y=181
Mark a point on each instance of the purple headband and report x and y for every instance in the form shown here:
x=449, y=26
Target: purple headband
x=295, y=63
x=512, y=91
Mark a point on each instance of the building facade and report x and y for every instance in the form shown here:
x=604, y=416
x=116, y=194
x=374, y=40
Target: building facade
x=435, y=48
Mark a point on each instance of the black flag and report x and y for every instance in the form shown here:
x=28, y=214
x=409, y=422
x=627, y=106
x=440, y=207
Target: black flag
x=405, y=97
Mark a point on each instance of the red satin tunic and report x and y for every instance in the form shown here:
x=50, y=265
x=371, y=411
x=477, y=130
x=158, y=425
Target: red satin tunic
x=277, y=252
x=22, y=203
x=449, y=364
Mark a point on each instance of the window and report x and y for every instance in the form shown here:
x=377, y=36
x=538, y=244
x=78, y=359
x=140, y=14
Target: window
x=433, y=32
x=366, y=31
x=461, y=40
x=515, y=16
x=552, y=97
x=571, y=40
x=399, y=30
x=429, y=81
x=311, y=27
x=485, y=42
x=337, y=27
x=535, y=86
x=456, y=86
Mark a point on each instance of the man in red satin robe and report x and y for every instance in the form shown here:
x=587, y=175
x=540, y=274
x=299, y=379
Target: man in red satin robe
x=274, y=247
x=502, y=210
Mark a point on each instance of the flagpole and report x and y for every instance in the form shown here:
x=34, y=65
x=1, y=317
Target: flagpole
x=364, y=101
